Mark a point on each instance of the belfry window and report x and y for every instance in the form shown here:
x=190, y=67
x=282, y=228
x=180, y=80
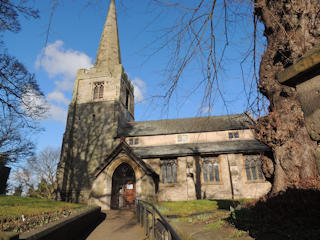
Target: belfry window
x=252, y=165
x=127, y=99
x=169, y=171
x=211, y=169
x=98, y=90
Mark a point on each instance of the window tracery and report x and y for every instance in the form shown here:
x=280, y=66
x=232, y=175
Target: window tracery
x=169, y=171
x=211, y=169
x=253, y=169
x=98, y=90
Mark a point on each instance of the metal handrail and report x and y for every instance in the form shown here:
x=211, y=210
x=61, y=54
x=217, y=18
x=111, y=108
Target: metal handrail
x=143, y=219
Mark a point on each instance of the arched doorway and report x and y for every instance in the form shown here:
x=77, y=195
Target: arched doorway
x=123, y=193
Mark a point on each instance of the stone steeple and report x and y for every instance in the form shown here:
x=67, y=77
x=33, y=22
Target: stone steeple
x=109, y=49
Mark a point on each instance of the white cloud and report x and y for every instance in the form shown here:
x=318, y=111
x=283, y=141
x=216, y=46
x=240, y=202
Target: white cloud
x=33, y=104
x=140, y=90
x=37, y=106
x=58, y=61
x=64, y=63
x=57, y=113
x=58, y=97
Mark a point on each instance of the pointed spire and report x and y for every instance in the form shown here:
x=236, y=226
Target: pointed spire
x=109, y=49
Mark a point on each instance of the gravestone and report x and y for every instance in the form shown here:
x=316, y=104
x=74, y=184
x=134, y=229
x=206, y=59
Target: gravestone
x=4, y=174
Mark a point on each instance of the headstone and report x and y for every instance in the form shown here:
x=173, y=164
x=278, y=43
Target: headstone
x=4, y=174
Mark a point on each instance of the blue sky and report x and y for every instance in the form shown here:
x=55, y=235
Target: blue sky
x=73, y=42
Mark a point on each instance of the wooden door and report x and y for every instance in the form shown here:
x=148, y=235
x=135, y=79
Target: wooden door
x=129, y=194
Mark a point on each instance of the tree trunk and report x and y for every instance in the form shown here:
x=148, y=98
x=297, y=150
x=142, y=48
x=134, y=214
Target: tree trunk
x=292, y=27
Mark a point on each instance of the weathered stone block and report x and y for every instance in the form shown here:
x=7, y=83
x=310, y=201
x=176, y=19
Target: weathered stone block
x=309, y=97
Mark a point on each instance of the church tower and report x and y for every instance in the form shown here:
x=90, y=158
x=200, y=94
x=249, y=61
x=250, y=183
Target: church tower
x=102, y=99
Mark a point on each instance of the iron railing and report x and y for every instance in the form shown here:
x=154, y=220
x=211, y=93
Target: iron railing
x=154, y=224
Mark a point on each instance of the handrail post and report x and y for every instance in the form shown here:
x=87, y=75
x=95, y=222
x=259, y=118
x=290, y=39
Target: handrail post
x=165, y=230
x=145, y=220
x=153, y=225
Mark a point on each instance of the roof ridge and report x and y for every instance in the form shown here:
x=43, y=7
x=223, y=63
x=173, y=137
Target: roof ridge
x=190, y=118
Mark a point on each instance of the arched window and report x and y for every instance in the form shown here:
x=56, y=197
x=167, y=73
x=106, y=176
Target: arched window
x=169, y=171
x=211, y=169
x=98, y=90
x=253, y=169
x=101, y=91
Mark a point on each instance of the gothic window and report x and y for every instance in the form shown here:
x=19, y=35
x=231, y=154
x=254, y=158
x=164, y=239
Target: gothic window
x=127, y=99
x=98, y=90
x=252, y=165
x=211, y=169
x=169, y=171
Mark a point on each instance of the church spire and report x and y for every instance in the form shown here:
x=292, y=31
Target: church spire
x=109, y=49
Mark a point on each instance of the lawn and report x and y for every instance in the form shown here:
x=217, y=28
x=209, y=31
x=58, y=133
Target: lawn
x=202, y=217
x=293, y=214
x=19, y=214
x=187, y=208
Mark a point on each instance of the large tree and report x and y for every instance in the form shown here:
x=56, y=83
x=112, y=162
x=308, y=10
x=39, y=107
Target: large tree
x=291, y=28
x=21, y=102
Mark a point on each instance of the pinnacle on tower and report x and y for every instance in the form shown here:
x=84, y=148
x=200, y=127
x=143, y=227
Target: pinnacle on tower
x=109, y=49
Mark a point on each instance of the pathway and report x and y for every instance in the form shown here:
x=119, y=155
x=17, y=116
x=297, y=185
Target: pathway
x=118, y=225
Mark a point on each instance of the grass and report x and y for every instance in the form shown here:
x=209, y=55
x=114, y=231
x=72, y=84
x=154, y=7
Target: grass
x=215, y=225
x=187, y=208
x=20, y=214
x=203, y=216
x=13, y=206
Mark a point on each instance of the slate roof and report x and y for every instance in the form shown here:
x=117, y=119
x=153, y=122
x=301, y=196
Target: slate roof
x=186, y=125
x=233, y=146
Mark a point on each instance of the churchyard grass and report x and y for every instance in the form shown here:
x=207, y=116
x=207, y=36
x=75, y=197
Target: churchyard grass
x=19, y=214
x=195, y=207
x=203, y=216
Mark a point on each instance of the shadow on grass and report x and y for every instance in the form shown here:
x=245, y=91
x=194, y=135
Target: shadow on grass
x=226, y=204
x=294, y=214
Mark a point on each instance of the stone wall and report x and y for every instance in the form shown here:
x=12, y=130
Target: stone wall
x=201, y=137
x=304, y=75
x=102, y=185
x=89, y=137
x=191, y=185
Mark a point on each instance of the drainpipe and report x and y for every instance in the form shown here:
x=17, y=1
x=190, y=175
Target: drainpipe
x=230, y=176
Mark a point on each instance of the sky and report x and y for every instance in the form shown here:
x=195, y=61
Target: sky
x=73, y=41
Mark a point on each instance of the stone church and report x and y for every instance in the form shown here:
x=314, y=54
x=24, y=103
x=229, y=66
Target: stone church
x=108, y=159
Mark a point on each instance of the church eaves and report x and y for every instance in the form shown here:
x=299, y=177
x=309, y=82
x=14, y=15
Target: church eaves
x=108, y=54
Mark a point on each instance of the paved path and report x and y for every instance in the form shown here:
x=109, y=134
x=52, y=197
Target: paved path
x=118, y=225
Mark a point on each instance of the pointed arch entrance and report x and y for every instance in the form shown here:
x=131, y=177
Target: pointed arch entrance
x=123, y=192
